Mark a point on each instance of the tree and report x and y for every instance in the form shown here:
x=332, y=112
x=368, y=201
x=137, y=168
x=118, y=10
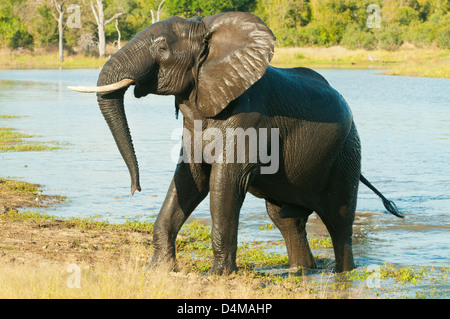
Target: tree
x=44, y=26
x=59, y=6
x=158, y=12
x=189, y=8
x=281, y=14
x=99, y=15
x=116, y=25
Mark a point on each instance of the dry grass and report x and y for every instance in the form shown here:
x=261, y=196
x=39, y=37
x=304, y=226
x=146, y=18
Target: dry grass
x=41, y=59
x=36, y=252
x=426, y=65
x=127, y=279
x=409, y=60
x=42, y=256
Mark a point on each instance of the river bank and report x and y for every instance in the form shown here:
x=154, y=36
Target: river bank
x=45, y=256
x=48, y=256
x=407, y=61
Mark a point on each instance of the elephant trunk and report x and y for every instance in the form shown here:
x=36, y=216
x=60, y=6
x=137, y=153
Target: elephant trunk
x=112, y=108
x=118, y=73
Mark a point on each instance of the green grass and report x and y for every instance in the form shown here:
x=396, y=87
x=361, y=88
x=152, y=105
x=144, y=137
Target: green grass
x=30, y=215
x=4, y=116
x=393, y=281
x=18, y=186
x=12, y=140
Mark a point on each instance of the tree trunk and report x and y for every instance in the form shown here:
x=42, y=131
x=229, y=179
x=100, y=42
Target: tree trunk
x=101, y=29
x=61, y=38
x=99, y=15
x=159, y=9
x=101, y=41
x=60, y=9
x=116, y=24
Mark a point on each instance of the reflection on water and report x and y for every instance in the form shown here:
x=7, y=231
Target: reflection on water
x=402, y=122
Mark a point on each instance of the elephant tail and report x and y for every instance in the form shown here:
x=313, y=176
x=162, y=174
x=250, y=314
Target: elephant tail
x=389, y=205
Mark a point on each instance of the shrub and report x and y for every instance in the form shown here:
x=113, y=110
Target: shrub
x=316, y=34
x=406, y=15
x=391, y=38
x=443, y=37
x=286, y=37
x=304, y=36
x=357, y=38
x=14, y=33
x=421, y=35
x=20, y=38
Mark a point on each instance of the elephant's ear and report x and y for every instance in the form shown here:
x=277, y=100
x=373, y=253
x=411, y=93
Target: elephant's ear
x=240, y=47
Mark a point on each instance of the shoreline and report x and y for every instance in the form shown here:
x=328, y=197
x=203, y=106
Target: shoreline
x=39, y=252
x=407, y=61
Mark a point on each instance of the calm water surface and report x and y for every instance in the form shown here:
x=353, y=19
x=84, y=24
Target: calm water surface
x=403, y=123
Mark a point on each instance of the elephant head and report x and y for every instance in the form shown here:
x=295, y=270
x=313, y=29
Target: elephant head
x=208, y=62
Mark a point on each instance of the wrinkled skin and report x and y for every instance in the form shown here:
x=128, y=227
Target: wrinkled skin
x=217, y=69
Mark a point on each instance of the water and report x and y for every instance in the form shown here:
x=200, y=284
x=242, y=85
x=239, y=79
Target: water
x=403, y=123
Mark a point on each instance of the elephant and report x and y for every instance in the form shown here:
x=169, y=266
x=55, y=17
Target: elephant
x=218, y=69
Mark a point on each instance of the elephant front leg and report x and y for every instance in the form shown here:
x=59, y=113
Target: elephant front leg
x=227, y=193
x=188, y=188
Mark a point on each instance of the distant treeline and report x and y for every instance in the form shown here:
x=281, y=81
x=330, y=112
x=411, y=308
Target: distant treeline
x=386, y=25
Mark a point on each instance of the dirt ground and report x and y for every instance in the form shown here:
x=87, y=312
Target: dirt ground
x=16, y=194
x=37, y=241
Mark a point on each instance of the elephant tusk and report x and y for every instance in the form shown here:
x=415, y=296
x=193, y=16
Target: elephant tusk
x=104, y=88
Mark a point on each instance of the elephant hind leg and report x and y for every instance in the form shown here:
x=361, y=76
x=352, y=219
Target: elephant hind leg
x=339, y=203
x=340, y=228
x=291, y=221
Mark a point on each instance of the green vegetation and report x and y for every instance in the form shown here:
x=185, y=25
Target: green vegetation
x=34, y=216
x=15, y=194
x=13, y=141
x=416, y=32
x=117, y=251
x=344, y=22
x=3, y=116
x=27, y=24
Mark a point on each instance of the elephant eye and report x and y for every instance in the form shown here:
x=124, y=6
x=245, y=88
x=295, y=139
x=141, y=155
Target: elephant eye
x=162, y=47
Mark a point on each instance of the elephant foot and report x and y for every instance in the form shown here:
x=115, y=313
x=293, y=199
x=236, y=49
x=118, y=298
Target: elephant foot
x=162, y=262
x=339, y=268
x=344, y=258
x=304, y=264
x=222, y=268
